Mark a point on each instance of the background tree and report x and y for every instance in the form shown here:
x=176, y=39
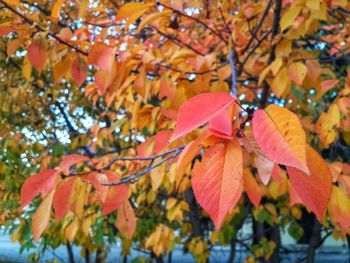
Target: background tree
x=93, y=91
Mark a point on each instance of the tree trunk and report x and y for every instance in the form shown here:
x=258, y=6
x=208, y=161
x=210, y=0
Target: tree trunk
x=195, y=217
x=314, y=241
x=87, y=255
x=231, y=257
x=70, y=252
x=275, y=236
x=99, y=256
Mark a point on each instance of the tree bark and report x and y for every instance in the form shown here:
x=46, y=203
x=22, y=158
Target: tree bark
x=195, y=217
x=70, y=252
x=314, y=241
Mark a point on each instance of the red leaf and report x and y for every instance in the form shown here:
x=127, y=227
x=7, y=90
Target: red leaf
x=314, y=190
x=5, y=30
x=40, y=183
x=199, y=110
x=222, y=123
x=217, y=180
x=61, y=199
x=70, y=160
x=116, y=195
x=97, y=180
x=37, y=55
x=160, y=142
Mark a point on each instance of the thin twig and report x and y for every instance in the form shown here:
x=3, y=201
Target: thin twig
x=195, y=19
x=234, y=87
x=32, y=23
x=136, y=177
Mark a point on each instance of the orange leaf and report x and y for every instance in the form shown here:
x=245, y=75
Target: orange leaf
x=199, y=110
x=71, y=160
x=126, y=220
x=102, y=56
x=79, y=69
x=61, y=200
x=41, y=217
x=37, y=55
x=97, y=180
x=116, y=195
x=280, y=135
x=160, y=142
x=314, y=190
x=252, y=188
x=5, y=30
x=339, y=207
x=222, y=123
x=40, y=183
x=217, y=180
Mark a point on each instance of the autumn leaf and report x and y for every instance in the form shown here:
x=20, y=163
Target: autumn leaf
x=61, y=200
x=280, y=135
x=297, y=72
x=79, y=70
x=37, y=55
x=222, y=123
x=41, y=217
x=41, y=183
x=199, y=110
x=327, y=124
x=126, y=220
x=339, y=207
x=252, y=188
x=217, y=180
x=70, y=160
x=314, y=190
x=56, y=9
x=116, y=195
x=102, y=56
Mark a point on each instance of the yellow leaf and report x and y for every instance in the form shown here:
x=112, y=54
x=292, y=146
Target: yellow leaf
x=289, y=17
x=157, y=175
x=313, y=4
x=71, y=230
x=263, y=74
x=326, y=125
x=281, y=83
x=281, y=137
x=27, y=69
x=276, y=65
x=41, y=217
x=297, y=72
x=55, y=13
x=16, y=3
x=80, y=196
x=132, y=11
x=62, y=69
